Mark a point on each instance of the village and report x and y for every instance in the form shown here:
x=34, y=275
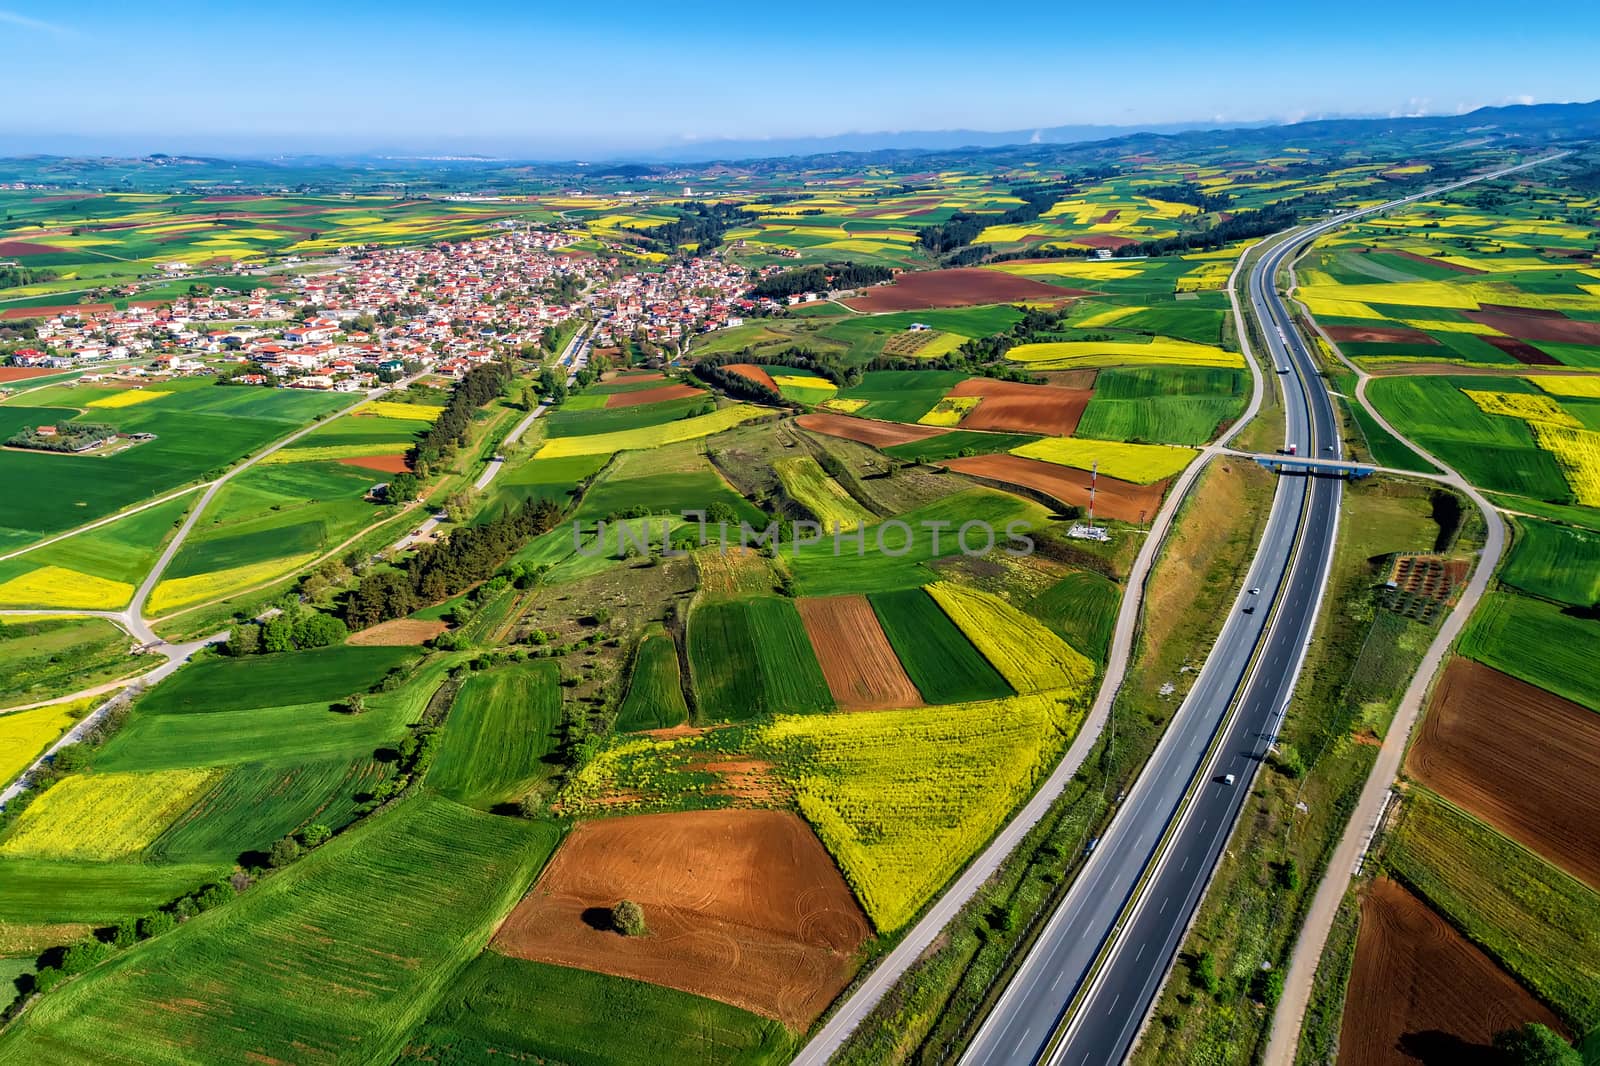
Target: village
x=378, y=314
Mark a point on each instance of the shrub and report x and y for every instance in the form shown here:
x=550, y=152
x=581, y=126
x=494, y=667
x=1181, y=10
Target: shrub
x=628, y=917
x=284, y=852
x=155, y=924
x=315, y=834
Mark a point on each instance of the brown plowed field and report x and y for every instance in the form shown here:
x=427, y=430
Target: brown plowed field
x=919, y=290
x=1017, y=408
x=1523, y=352
x=1378, y=335
x=863, y=672
x=754, y=373
x=387, y=464
x=400, y=633
x=22, y=249
x=1421, y=993
x=865, y=430
x=1121, y=500
x=675, y=391
x=743, y=906
x=23, y=373
x=1524, y=760
x=1533, y=324
x=1100, y=240
x=53, y=310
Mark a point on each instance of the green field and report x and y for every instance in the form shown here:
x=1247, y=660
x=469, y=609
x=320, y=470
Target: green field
x=752, y=657
x=276, y=680
x=1538, y=642
x=49, y=657
x=1082, y=607
x=655, y=691
x=820, y=571
x=123, y=551
x=825, y=499
x=1539, y=923
x=1166, y=405
x=511, y=1010
x=41, y=891
x=1557, y=562
x=582, y=423
x=902, y=395
x=500, y=732
x=938, y=658
x=200, y=429
x=1491, y=451
x=347, y=949
x=959, y=442
x=257, y=803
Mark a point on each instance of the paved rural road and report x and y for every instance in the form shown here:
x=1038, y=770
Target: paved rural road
x=574, y=357
x=1085, y=989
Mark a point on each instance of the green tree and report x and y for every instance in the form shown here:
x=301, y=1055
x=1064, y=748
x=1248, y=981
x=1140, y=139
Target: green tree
x=315, y=834
x=1535, y=1045
x=628, y=917
x=402, y=489
x=278, y=635
x=154, y=924
x=283, y=852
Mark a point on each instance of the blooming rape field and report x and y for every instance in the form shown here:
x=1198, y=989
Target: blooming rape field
x=1139, y=463
x=25, y=734
x=104, y=816
x=820, y=494
x=57, y=586
x=1159, y=351
x=1026, y=653
x=651, y=436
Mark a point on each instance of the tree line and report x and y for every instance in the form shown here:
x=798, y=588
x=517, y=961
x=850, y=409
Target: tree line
x=700, y=224
x=821, y=278
x=439, y=571
x=449, y=430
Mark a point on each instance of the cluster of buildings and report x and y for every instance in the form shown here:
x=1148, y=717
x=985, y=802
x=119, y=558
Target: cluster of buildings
x=387, y=312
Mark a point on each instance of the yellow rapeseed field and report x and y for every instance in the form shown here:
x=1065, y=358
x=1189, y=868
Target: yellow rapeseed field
x=805, y=480
x=24, y=735
x=1140, y=463
x=56, y=586
x=1527, y=405
x=803, y=381
x=843, y=406
x=105, y=817
x=1577, y=452
x=416, y=412
x=651, y=436
x=127, y=398
x=177, y=592
x=950, y=411
x=335, y=451
x=1070, y=355
x=1024, y=650
x=1106, y=317
x=1329, y=307
x=1582, y=387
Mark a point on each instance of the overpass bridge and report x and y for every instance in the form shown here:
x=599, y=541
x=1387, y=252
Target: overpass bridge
x=1306, y=464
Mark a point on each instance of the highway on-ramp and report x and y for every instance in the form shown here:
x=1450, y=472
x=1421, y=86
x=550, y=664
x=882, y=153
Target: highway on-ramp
x=1084, y=990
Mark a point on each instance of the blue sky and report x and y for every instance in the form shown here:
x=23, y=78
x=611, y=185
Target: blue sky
x=538, y=79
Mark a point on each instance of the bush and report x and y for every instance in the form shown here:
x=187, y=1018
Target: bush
x=628, y=917
x=1535, y=1045
x=125, y=933
x=155, y=924
x=284, y=852
x=531, y=805
x=314, y=834
x=80, y=956
x=213, y=895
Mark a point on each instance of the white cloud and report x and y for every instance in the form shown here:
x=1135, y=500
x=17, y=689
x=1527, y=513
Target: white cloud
x=11, y=18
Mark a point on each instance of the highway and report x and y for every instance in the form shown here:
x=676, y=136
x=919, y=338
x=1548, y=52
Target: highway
x=1084, y=990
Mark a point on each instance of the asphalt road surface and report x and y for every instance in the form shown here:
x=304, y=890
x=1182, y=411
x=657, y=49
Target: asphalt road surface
x=1084, y=990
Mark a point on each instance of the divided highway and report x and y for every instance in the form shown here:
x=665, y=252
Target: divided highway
x=1084, y=990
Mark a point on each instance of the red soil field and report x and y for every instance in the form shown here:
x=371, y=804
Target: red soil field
x=963, y=287
x=1121, y=500
x=1533, y=324
x=22, y=373
x=863, y=672
x=675, y=391
x=754, y=373
x=402, y=632
x=743, y=906
x=1524, y=760
x=1018, y=408
x=52, y=311
x=20, y=249
x=1523, y=352
x=1420, y=992
x=1110, y=216
x=865, y=430
x=1378, y=335
x=388, y=464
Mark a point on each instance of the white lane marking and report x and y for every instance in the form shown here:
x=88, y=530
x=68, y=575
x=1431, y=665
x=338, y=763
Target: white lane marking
x=1114, y=1000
